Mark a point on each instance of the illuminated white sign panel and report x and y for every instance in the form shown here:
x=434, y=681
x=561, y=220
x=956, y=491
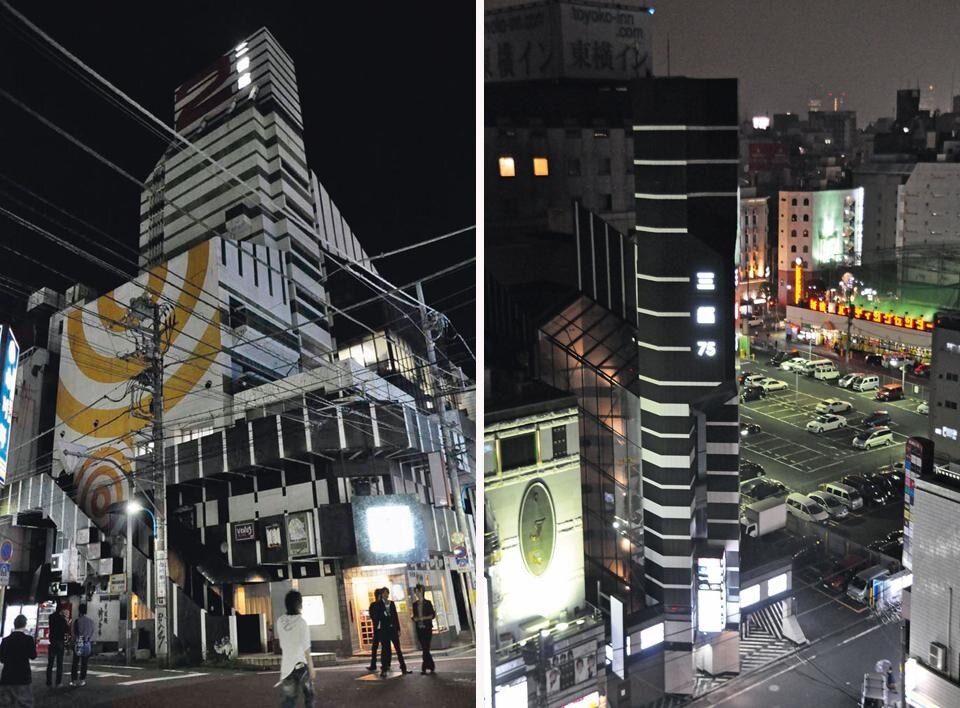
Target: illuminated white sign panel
x=706, y=348
x=8, y=383
x=749, y=596
x=513, y=695
x=651, y=636
x=706, y=315
x=777, y=585
x=313, y=610
x=390, y=529
x=705, y=281
x=616, y=635
x=711, y=595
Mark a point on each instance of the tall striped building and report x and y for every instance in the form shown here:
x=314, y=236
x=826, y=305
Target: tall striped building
x=244, y=112
x=685, y=146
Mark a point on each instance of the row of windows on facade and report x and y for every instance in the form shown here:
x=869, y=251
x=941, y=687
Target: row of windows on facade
x=793, y=217
x=519, y=451
x=793, y=233
x=793, y=202
x=541, y=167
x=570, y=132
x=793, y=249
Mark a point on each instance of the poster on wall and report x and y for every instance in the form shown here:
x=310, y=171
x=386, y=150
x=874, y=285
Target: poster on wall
x=572, y=667
x=106, y=619
x=299, y=534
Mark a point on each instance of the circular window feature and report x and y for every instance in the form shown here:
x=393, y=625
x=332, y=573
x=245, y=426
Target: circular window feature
x=538, y=529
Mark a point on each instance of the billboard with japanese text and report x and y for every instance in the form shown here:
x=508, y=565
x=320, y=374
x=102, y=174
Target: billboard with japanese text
x=10, y=351
x=553, y=40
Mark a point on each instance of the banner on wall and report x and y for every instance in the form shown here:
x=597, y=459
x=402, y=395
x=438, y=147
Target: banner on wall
x=300, y=534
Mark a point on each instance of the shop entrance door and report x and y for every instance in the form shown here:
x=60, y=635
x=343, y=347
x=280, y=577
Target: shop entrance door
x=361, y=586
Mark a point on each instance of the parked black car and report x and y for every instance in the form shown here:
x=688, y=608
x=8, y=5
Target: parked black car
x=877, y=418
x=752, y=393
x=781, y=357
x=868, y=490
x=884, y=482
x=874, y=359
x=750, y=470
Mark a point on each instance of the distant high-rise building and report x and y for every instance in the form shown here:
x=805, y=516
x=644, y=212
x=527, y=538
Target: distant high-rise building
x=908, y=105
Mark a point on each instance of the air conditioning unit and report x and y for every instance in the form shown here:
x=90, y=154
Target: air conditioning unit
x=938, y=656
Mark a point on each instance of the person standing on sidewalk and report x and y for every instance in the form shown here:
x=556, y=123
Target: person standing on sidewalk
x=392, y=630
x=59, y=629
x=16, y=650
x=296, y=665
x=423, y=615
x=375, y=618
x=83, y=637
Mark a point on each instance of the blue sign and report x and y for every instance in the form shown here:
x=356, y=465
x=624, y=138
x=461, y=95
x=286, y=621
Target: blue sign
x=4, y=574
x=6, y=551
x=10, y=353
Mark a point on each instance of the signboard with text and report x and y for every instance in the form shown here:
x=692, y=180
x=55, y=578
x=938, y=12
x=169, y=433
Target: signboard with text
x=566, y=40
x=917, y=324
x=244, y=531
x=9, y=356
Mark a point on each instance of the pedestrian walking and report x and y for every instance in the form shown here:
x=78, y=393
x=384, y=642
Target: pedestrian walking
x=389, y=633
x=296, y=665
x=59, y=629
x=16, y=650
x=82, y=646
x=423, y=616
x=374, y=615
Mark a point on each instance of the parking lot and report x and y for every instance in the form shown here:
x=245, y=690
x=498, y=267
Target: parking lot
x=802, y=460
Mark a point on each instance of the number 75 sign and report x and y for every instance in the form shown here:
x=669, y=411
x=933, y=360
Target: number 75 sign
x=706, y=348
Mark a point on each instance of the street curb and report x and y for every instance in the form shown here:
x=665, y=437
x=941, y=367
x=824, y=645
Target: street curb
x=793, y=653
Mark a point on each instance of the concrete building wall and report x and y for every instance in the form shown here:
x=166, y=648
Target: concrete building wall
x=752, y=246
x=928, y=224
x=944, y=419
x=880, y=184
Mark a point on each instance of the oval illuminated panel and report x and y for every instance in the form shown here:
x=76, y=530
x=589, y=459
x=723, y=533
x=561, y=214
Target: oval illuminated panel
x=537, y=528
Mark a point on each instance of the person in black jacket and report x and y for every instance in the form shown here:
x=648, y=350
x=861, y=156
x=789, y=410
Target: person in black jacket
x=390, y=631
x=374, y=617
x=423, y=616
x=59, y=629
x=16, y=650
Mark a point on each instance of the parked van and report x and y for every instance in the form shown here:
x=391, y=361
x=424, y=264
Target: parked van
x=810, y=366
x=873, y=437
x=866, y=383
x=826, y=372
x=859, y=587
x=848, y=496
x=890, y=392
x=805, y=508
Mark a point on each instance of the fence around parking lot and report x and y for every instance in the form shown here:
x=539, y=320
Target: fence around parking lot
x=835, y=543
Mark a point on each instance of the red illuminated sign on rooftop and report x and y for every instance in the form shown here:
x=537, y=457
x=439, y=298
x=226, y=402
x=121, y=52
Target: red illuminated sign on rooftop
x=917, y=324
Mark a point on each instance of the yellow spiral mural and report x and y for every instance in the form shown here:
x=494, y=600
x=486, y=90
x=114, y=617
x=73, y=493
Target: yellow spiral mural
x=91, y=370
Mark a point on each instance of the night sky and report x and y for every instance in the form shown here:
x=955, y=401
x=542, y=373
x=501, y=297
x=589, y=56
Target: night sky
x=785, y=53
x=388, y=98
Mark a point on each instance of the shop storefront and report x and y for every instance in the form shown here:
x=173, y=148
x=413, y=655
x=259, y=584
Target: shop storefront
x=396, y=550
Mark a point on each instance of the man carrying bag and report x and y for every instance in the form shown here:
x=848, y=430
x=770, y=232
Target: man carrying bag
x=296, y=665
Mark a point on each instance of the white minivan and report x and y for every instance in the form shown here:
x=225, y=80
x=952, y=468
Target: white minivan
x=866, y=383
x=811, y=365
x=826, y=372
x=805, y=508
x=848, y=496
x=873, y=437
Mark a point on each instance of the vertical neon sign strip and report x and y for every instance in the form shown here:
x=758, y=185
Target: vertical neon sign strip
x=797, y=284
x=10, y=351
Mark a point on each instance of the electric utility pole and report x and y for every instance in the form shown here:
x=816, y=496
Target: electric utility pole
x=145, y=318
x=433, y=326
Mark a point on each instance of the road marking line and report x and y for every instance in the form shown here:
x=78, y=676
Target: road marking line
x=857, y=636
x=162, y=678
x=768, y=678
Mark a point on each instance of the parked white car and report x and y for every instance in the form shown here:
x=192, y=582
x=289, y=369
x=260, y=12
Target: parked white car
x=826, y=422
x=803, y=507
x=793, y=364
x=771, y=385
x=833, y=405
x=830, y=503
x=923, y=408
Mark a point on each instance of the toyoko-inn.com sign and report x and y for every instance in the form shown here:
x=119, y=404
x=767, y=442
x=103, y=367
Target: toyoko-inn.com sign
x=553, y=40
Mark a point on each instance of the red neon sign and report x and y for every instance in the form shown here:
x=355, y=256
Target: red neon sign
x=917, y=324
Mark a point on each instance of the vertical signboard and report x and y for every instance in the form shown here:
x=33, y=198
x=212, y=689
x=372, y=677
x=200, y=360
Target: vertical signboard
x=711, y=595
x=10, y=351
x=918, y=462
x=616, y=635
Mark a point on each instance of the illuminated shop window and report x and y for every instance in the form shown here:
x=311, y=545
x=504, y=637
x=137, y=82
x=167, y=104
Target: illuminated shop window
x=507, y=168
x=541, y=167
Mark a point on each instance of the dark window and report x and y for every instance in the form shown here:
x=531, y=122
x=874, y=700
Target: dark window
x=239, y=258
x=223, y=251
x=793, y=249
x=793, y=233
x=806, y=249
x=560, y=441
x=256, y=277
x=606, y=202
x=793, y=201
x=601, y=133
x=806, y=202
x=806, y=234
x=269, y=273
x=953, y=377
x=793, y=217
x=950, y=404
x=806, y=217
x=518, y=451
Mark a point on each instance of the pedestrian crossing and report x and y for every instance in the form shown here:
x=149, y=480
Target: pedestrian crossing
x=761, y=648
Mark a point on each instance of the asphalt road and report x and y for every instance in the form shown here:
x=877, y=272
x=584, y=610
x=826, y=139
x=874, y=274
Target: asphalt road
x=345, y=684
x=828, y=673
x=803, y=460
